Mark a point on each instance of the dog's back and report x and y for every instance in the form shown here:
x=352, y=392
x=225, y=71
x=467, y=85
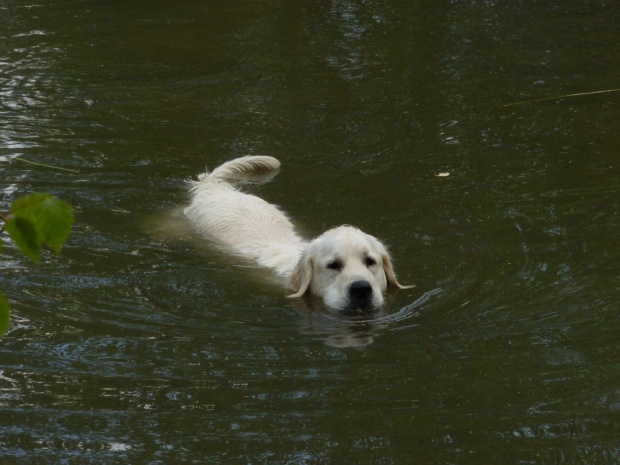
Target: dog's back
x=242, y=223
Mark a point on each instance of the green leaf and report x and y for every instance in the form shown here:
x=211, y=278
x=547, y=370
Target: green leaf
x=39, y=219
x=4, y=315
x=25, y=235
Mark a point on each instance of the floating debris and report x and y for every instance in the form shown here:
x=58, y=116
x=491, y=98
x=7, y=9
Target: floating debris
x=559, y=97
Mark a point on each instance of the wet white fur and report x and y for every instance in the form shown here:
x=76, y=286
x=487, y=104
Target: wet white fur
x=248, y=226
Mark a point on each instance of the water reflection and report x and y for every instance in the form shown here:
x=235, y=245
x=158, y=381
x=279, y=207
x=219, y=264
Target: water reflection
x=37, y=99
x=356, y=328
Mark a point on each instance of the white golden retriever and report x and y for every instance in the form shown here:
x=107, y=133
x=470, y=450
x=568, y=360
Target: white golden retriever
x=347, y=268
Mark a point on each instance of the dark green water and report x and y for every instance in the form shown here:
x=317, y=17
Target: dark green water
x=133, y=347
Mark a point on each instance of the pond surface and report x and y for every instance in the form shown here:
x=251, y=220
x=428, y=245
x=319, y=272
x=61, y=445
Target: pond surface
x=139, y=344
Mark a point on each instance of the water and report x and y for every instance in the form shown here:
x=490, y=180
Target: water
x=142, y=345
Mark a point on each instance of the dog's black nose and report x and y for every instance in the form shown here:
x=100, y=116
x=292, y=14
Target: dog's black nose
x=360, y=291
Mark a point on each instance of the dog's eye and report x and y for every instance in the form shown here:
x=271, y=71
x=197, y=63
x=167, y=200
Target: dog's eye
x=370, y=261
x=335, y=265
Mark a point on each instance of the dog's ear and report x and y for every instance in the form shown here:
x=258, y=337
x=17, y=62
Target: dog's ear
x=388, y=269
x=299, y=280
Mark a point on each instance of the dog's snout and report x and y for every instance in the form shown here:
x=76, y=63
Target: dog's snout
x=360, y=290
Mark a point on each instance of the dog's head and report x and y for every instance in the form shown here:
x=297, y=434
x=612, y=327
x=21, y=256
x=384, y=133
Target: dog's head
x=347, y=268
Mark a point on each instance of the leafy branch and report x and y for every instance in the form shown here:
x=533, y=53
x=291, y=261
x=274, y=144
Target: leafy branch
x=35, y=220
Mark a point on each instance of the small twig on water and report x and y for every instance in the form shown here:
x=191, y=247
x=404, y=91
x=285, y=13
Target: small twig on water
x=46, y=166
x=559, y=97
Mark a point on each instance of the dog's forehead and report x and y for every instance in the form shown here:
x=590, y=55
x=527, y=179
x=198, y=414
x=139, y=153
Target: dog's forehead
x=346, y=240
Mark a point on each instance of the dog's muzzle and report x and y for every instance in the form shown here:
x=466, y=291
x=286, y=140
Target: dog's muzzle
x=360, y=295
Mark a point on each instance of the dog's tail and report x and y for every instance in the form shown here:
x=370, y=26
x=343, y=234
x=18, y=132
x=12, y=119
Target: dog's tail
x=250, y=169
